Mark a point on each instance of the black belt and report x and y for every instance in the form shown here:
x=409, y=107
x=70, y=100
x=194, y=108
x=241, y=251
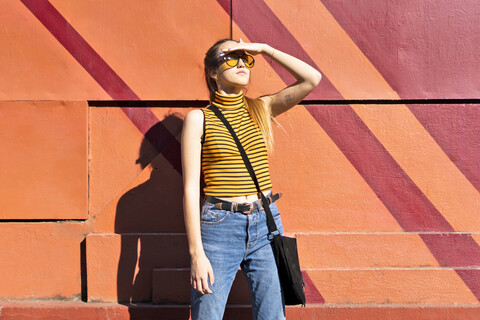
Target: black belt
x=246, y=207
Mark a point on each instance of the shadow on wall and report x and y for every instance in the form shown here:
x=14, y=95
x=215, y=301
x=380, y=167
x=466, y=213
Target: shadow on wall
x=149, y=217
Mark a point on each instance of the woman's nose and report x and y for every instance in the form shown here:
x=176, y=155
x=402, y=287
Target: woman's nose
x=240, y=63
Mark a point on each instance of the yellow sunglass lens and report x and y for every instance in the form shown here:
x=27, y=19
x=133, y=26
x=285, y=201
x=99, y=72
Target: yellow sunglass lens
x=249, y=62
x=232, y=61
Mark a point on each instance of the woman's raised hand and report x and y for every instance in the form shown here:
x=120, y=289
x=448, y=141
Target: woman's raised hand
x=250, y=48
x=201, y=271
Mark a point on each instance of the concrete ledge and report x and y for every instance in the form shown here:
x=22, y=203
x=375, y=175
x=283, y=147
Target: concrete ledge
x=119, y=266
x=58, y=310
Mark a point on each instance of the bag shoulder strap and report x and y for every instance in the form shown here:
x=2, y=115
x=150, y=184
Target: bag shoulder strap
x=272, y=227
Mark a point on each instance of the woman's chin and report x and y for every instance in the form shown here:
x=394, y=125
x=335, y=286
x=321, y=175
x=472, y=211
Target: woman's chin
x=242, y=82
x=238, y=84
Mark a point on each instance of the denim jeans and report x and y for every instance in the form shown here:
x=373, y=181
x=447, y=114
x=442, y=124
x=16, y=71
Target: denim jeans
x=233, y=239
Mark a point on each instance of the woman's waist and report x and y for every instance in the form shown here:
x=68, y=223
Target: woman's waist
x=244, y=199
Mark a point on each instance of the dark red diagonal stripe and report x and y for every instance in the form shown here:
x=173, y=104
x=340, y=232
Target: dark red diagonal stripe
x=312, y=295
x=415, y=69
x=424, y=49
x=472, y=278
x=458, y=254
x=88, y=58
x=104, y=75
x=456, y=129
x=413, y=211
x=405, y=201
x=409, y=206
x=455, y=250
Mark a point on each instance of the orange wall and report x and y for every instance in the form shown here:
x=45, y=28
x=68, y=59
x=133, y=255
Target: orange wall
x=383, y=198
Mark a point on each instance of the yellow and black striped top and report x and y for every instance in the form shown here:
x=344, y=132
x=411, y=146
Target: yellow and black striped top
x=222, y=165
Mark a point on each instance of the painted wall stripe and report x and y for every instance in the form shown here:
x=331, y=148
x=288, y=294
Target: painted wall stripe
x=455, y=128
x=413, y=211
x=472, y=279
x=419, y=72
x=312, y=295
x=104, y=75
x=457, y=250
x=453, y=249
x=90, y=60
x=425, y=49
x=398, y=192
x=414, y=149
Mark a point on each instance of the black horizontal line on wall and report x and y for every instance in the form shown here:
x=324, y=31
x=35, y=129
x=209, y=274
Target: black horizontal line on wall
x=382, y=101
x=41, y=220
x=149, y=103
x=204, y=103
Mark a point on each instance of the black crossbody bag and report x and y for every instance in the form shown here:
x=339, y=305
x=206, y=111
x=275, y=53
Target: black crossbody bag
x=284, y=248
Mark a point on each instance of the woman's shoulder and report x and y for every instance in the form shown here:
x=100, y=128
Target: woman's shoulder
x=195, y=115
x=194, y=118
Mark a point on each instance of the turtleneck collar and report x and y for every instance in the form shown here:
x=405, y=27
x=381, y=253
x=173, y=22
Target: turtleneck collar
x=228, y=102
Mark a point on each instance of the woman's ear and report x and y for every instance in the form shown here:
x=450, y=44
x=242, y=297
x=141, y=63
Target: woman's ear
x=213, y=74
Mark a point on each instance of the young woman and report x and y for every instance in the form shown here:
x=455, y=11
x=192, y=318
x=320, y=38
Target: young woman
x=230, y=230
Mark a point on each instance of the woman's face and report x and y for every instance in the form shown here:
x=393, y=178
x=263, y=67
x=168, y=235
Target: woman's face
x=227, y=76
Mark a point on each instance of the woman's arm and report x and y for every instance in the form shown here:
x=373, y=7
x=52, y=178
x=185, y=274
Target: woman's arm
x=307, y=79
x=307, y=76
x=192, y=132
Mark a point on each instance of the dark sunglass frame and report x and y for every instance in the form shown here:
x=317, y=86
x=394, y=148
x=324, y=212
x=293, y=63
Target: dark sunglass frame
x=232, y=60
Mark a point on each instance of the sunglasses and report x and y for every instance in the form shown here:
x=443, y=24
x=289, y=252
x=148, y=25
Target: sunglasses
x=232, y=60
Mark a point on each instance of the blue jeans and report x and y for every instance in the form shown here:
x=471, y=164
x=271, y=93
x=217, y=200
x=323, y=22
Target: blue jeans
x=233, y=239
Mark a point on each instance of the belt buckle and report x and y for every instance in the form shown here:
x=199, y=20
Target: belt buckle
x=251, y=207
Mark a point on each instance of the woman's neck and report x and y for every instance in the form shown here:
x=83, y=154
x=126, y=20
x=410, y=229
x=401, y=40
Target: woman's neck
x=230, y=91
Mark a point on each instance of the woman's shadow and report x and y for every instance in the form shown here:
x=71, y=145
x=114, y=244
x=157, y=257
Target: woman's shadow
x=149, y=217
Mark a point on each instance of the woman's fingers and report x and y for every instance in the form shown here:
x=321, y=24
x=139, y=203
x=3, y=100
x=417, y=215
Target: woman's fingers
x=200, y=272
x=194, y=284
x=197, y=285
x=211, y=277
x=201, y=285
x=251, y=48
x=206, y=288
x=228, y=50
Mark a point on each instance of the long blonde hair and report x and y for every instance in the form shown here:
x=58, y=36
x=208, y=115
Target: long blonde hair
x=263, y=118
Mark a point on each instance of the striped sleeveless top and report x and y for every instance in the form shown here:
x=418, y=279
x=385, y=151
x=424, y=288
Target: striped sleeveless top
x=223, y=169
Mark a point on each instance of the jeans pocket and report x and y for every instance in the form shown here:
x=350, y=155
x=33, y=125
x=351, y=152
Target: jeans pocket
x=274, y=210
x=276, y=217
x=212, y=215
